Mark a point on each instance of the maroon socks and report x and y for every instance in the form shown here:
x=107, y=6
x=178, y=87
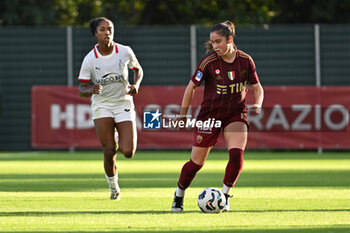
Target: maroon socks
x=234, y=167
x=232, y=172
x=188, y=172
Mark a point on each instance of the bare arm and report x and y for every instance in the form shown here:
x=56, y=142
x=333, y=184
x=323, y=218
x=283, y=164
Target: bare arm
x=187, y=97
x=138, y=76
x=259, y=97
x=87, y=90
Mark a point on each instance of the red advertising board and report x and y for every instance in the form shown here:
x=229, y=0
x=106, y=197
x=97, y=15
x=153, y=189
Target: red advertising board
x=292, y=117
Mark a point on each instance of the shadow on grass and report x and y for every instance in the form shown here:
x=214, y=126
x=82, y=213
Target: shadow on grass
x=147, y=212
x=234, y=229
x=80, y=182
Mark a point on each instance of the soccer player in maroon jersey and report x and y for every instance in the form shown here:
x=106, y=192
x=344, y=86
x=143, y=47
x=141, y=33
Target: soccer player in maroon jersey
x=227, y=72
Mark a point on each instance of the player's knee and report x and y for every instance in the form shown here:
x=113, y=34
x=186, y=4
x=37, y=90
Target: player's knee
x=128, y=152
x=129, y=155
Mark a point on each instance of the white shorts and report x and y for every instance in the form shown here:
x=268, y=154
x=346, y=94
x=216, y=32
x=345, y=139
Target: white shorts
x=124, y=112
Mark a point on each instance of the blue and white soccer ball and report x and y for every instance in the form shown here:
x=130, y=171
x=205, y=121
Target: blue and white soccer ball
x=211, y=200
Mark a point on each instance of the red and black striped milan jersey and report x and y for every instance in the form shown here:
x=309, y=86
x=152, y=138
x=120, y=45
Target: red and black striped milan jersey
x=226, y=84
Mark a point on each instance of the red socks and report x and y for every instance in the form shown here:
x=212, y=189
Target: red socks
x=188, y=172
x=234, y=166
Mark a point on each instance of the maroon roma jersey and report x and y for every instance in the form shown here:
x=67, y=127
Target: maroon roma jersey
x=226, y=84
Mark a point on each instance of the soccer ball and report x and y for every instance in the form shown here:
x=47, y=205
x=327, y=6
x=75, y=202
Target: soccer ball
x=211, y=200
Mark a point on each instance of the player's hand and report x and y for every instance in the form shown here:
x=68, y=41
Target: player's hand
x=132, y=90
x=256, y=108
x=181, y=119
x=96, y=89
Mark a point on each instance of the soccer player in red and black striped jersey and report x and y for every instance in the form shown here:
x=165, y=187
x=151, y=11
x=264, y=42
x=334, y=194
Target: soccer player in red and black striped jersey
x=227, y=72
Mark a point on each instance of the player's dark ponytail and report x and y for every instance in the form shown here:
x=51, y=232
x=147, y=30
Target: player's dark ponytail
x=94, y=23
x=225, y=29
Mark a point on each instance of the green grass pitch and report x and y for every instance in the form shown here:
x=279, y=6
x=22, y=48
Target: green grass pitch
x=277, y=192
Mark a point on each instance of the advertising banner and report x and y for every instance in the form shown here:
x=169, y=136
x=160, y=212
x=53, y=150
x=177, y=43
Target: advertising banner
x=291, y=118
x=61, y=118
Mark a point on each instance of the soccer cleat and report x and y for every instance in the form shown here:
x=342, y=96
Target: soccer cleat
x=115, y=193
x=227, y=205
x=177, y=205
x=115, y=196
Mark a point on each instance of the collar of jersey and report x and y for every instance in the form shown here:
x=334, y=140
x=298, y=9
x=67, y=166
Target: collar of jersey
x=97, y=53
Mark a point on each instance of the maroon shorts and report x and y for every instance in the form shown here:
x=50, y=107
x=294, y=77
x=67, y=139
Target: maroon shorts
x=209, y=137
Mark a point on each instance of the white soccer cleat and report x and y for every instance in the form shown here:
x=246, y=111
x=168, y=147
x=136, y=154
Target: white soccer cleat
x=115, y=193
x=115, y=196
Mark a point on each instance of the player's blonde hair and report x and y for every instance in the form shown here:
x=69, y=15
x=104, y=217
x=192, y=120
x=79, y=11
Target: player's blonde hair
x=225, y=29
